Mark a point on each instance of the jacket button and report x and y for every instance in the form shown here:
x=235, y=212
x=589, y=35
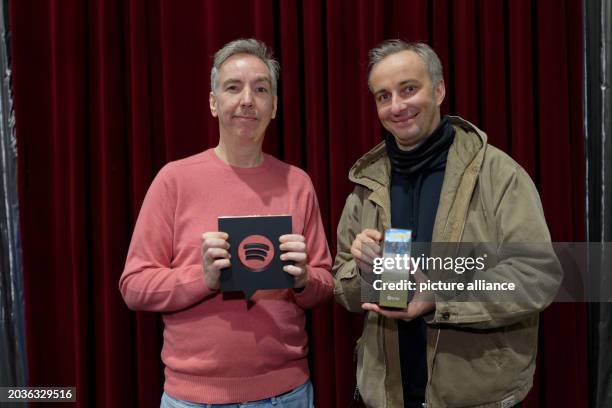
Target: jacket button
x=445, y=315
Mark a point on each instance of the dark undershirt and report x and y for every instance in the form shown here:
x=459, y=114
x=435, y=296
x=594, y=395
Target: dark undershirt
x=412, y=335
x=416, y=182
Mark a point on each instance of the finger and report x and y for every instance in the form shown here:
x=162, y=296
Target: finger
x=294, y=270
x=372, y=307
x=355, y=251
x=370, y=250
x=215, y=234
x=216, y=253
x=361, y=238
x=297, y=257
x=291, y=237
x=372, y=234
x=366, y=258
x=219, y=264
x=215, y=243
x=364, y=242
x=293, y=246
x=363, y=252
x=392, y=314
x=360, y=257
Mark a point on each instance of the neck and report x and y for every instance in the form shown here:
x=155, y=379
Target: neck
x=239, y=154
x=408, y=148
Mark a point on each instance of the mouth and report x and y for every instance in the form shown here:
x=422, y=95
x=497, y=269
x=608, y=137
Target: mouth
x=405, y=119
x=245, y=117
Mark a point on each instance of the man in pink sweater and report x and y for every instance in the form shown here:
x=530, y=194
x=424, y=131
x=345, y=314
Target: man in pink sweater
x=221, y=350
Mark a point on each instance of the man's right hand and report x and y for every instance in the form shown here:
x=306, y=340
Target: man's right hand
x=365, y=248
x=215, y=256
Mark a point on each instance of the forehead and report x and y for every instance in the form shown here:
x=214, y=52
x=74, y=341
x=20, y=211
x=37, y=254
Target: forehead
x=398, y=68
x=243, y=66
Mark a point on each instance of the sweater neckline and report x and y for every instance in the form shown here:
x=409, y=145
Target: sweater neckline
x=263, y=166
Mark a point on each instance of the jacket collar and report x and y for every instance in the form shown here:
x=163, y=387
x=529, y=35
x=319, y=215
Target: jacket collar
x=463, y=166
x=465, y=157
x=373, y=169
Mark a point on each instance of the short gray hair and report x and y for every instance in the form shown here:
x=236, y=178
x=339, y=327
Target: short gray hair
x=390, y=47
x=245, y=46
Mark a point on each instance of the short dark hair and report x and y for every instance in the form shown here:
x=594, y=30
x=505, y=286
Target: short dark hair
x=390, y=47
x=245, y=46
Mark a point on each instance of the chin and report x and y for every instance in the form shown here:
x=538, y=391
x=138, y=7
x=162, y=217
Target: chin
x=408, y=142
x=250, y=137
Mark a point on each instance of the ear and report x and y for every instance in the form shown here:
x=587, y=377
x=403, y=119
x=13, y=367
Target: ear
x=440, y=92
x=274, y=108
x=213, y=104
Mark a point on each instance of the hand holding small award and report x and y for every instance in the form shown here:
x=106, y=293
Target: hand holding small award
x=398, y=242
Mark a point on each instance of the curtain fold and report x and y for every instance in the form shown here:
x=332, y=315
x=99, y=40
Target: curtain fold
x=108, y=91
x=13, y=358
x=598, y=127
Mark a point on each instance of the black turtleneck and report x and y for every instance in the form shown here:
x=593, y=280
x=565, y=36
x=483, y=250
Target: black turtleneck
x=413, y=175
x=416, y=181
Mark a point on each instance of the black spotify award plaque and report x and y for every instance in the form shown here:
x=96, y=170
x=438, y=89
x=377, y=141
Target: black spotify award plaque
x=255, y=253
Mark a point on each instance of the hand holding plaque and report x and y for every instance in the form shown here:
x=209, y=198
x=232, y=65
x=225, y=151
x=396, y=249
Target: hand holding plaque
x=294, y=249
x=255, y=253
x=215, y=256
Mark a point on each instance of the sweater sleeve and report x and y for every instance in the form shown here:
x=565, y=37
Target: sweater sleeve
x=320, y=285
x=149, y=282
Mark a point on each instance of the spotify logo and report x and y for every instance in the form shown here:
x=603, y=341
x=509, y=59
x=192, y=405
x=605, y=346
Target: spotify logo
x=256, y=252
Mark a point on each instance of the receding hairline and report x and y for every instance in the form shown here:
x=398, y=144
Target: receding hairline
x=245, y=46
x=262, y=77
x=377, y=64
x=394, y=46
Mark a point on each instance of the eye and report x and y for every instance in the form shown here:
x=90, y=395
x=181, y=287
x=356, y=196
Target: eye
x=410, y=89
x=383, y=97
x=261, y=89
x=231, y=88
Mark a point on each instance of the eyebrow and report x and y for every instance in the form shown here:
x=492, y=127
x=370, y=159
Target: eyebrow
x=237, y=81
x=403, y=83
x=380, y=91
x=263, y=79
x=230, y=81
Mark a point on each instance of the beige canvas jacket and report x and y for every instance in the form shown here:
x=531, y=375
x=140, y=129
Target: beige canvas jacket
x=479, y=354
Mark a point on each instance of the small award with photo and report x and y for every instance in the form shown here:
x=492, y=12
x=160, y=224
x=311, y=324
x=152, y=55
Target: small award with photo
x=397, y=243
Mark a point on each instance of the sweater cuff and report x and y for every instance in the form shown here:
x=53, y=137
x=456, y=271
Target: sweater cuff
x=315, y=291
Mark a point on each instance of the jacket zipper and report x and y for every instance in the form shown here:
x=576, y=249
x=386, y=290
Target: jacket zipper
x=433, y=362
x=382, y=323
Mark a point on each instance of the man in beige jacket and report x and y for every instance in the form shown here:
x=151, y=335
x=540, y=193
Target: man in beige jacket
x=438, y=177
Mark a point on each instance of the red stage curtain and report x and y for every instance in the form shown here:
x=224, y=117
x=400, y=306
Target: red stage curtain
x=106, y=92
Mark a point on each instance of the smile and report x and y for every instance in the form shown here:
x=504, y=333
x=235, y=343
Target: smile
x=405, y=119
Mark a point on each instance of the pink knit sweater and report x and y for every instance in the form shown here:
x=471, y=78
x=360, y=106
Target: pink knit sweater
x=219, y=349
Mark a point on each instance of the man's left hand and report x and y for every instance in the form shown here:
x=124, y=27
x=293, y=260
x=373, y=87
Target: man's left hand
x=414, y=309
x=421, y=304
x=294, y=249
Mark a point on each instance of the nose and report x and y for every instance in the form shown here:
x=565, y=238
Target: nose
x=246, y=98
x=397, y=104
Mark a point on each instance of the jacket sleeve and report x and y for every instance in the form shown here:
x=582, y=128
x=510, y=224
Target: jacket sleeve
x=320, y=285
x=347, y=279
x=149, y=281
x=524, y=256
